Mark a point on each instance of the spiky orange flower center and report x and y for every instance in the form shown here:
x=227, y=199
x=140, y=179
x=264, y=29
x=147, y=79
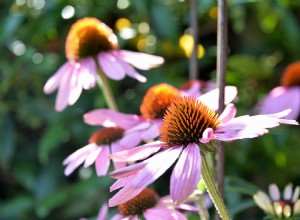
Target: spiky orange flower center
x=291, y=75
x=136, y=206
x=185, y=120
x=105, y=136
x=157, y=100
x=87, y=37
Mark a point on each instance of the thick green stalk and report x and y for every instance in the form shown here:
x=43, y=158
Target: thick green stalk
x=105, y=87
x=212, y=190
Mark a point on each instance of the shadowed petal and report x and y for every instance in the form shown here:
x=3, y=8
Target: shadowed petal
x=91, y=157
x=102, y=215
x=121, y=182
x=109, y=118
x=110, y=66
x=102, y=161
x=186, y=174
x=228, y=113
x=75, y=85
x=163, y=214
x=128, y=170
x=140, y=60
x=116, y=147
x=137, y=153
x=131, y=139
x=155, y=167
x=153, y=131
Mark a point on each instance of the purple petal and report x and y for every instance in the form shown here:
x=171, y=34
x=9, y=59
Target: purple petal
x=102, y=161
x=186, y=174
x=75, y=85
x=153, y=131
x=163, y=214
x=288, y=192
x=54, y=81
x=207, y=135
x=116, y=147
x=137, y=153
x=131, y=139
x=121, y=182
x=156, y=166
x=211, y=98
x=140, y=60
x=281, y=98
x=274, y=192
x=102, y=215
x=129, y=170
x=111, y=66
x=228, y=113
x=109, y=118
x=88, y=73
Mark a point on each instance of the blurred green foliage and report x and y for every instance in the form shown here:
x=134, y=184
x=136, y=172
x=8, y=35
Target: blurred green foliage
x=264, y=36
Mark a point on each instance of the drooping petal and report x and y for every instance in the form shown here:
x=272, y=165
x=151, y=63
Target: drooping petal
x=128, y=170
x=228, y=113
x=167, y=201
x=88, y=74
x=288, y=192
x=110, y=66
x=102, y=215
x=211, y=98
x=186, y=173
x=102, y=162
x=121, y=182
x=109, y=118
x=75, y=85
x=281, y=98
x=131, y=139
x=91, y=157
x=207, y=135
x=137, y=153
x=263, y=201
x=116, y=147
x=296, y=194
x=54, y=81
x=163, y=214
x=274, y=192
x=153, y=131
x=140, y=60
x=155, y=167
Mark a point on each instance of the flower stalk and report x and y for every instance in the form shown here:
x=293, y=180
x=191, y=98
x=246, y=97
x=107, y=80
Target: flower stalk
x=105, y=87
x=212, y=190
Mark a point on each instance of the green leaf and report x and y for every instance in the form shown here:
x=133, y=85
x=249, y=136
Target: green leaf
x=240, y=185
x=15, y=207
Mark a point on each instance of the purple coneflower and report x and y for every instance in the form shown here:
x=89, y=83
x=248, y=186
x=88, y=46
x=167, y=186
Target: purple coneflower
x=147, y=204
x=286, y=207
x=102, y=143
x=286, y=96
x=90, y=42
x=154, y=105
x=187, y=130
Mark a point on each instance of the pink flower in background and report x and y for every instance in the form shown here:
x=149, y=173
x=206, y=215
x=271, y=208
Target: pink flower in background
x=150, y=206
x=102, y=143
x=187, y=127
x=286, y=96
x=196, y=88
x=153, y=107
x=89, y=40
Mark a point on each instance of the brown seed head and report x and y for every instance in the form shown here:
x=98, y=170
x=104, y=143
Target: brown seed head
x=291, y=75
x=105, y=136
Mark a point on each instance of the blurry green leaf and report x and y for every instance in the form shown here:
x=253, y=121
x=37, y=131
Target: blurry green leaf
x=10, y=25
x=8, y=140
x=241, y=206
x=240, y=185
x=165, y=22
x=50, y=140
x=15, y=207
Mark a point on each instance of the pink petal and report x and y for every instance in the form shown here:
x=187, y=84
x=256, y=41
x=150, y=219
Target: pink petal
x=88, y=73
x=228, y=113
x=75, y=85
x=102, y=161
x=109, y=118
x=64, y=90
x=211, y=98
x=91, y=157
x=281, y=98
x=128, y=170
x=116, y=147
x=153, y=131
x=137, y=153
x=140, y=60
x=156, y=166
x=130, y=70
x=274, y=192
x=131, y=139
x=288, y=192
x=167, y=201
x=163, y=214
x=186, y=173
x=82, y=151
x=111, y=66
x=207, y=135
x=121, y=182
x=54, y=81
x=102, y=215
x=118, y=217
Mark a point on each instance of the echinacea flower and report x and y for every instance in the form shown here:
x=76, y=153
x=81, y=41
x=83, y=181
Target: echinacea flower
x=148, y=204
x=102, y=143
x=188, y=127
x=91, y=43
x=286, y=96
x=285, y=207
x=154, y=105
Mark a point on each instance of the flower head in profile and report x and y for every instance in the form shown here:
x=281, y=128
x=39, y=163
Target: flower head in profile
x=188, y=128
x=286, y=96
x=148, y=204
x=90, y=43
x=102, y=143
x=153, y=107
x=286, y=206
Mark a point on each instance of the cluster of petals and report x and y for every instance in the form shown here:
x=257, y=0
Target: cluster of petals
x=164, y=209
x=99, y=154
x=285, y=206
x=148, y=129
x=187, y=159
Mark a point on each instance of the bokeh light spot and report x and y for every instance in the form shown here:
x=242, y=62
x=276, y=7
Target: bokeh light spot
x=37, y=58
x=144, y=27
x=122, y=4
x=68, y=12
x=18, y=48
x=213, y=13
x=122, y=23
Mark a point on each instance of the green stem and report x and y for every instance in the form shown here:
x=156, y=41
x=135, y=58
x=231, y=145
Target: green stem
x=103, y=83
x=203, y=211
x=212, y=190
